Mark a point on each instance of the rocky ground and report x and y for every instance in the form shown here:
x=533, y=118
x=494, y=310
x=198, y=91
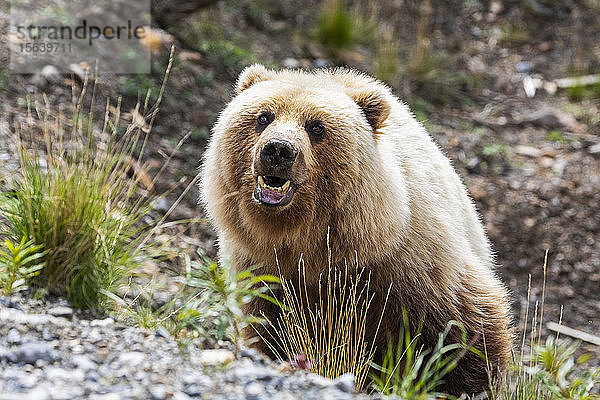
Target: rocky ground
x=49, y=351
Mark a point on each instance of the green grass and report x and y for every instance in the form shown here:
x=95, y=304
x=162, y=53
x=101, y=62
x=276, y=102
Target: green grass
x=341, y=27
x=4, y=78
x=411, y=371
x=326, y=335
x=547, y=370
x=208, y=303
x=227, y=55
x=225, y=291
x=74, y=199
x=19, y=263
x=336, y=26
x=578, y=93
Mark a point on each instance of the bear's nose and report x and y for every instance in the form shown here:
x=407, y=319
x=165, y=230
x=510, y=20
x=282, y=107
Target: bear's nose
x=278, y=154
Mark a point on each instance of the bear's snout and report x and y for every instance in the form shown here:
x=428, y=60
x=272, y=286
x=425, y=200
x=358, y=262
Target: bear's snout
x=278, y=155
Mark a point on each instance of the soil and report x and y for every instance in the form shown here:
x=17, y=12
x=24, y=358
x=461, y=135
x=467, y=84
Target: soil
x=532, y=164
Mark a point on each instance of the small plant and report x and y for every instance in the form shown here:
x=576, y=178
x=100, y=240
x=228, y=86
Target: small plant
x=325, y=335
x=341, y=27
x=494, y=149
x=223, y=293
x=184, y=316
x=554, y=369
x=208, y=303
x=578, y=93
x=410, y=371
x=227, y=55
x=557, y=137
x=18, y=264
x=336, y=25
x=387, y=61
x=549, y=371
x=514, y=34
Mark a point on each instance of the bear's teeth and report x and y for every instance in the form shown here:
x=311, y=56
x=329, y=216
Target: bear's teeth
x=282, y=189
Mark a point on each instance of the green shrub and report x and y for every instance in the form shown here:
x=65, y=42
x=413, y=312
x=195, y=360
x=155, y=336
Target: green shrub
x=75, y=200
x=554, y=368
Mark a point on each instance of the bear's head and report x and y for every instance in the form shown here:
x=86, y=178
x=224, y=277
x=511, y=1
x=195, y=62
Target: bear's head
x=290, y=147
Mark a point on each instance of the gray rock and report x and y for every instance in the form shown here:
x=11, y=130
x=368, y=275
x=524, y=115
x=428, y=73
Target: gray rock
x=194, y=390
x=524, y=66
x=105, y=396
x=595, y=149
x=48, y=335
x=345, y=382
x=253, y=390
x=61, y=311
x=318, y=381
x=162, y=332
x=290, y=62
x=180, y=396
x=252, y=372
x=83, y=362
x=102, y=323
x=50, y=73
x=30, y=353
x=132, y=358
x=38, y=393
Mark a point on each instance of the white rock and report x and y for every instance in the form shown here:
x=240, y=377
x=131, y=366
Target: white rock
x=132, y=358
x=102, y=323
x=61, y=311
x=528, y=151
x=216, y=357
x=595, y=149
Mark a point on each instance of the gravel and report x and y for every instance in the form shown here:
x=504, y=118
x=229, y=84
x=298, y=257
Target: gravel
x=50, y=351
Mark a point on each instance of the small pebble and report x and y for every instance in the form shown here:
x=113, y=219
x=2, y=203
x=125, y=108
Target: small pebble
x=61, y=311
x=13, y=336
x=158, y=392
x=102, y=323
x=345, y=382
x=30, y=353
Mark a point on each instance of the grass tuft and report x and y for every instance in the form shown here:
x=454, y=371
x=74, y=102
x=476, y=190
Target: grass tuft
x=325, y=335
x=75, y=199
x=411, y=371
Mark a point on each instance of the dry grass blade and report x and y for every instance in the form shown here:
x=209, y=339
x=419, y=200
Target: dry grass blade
x=326, y=335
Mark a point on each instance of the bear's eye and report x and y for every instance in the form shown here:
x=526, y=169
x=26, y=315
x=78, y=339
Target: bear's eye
x=315, y=128
x=265, y=118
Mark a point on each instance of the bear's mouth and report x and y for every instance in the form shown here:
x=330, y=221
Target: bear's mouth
x=273, y=191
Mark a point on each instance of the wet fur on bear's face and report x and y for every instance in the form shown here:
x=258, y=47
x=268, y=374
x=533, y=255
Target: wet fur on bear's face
x=330, y=126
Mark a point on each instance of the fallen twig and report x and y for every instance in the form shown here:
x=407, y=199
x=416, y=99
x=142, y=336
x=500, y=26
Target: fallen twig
x=574, y=333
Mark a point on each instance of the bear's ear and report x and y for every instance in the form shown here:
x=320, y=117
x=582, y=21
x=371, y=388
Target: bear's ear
x=251, y=75
x=374, y=105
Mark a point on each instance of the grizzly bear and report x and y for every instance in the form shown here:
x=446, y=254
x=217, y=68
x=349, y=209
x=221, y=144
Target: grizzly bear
x=297, y=156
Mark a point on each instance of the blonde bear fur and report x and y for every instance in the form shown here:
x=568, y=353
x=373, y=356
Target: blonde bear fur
x=377, y=182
